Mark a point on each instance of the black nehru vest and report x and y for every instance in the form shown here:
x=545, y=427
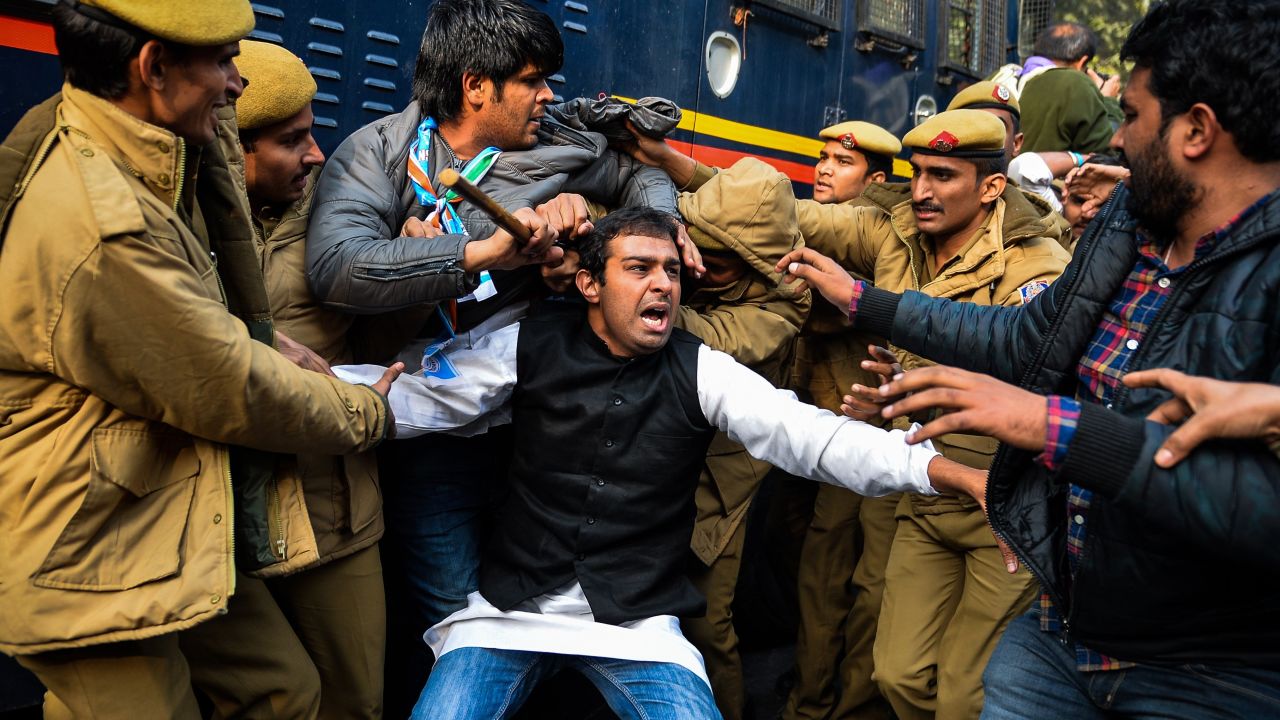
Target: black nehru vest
x=607, y=456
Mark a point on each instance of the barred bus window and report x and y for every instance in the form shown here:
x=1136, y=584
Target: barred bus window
x=1033, y=16
x=973, y=35
x=900, y=20
x=823, y=13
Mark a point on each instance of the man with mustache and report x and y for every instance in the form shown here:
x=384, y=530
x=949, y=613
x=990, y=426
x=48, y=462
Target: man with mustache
x=613, y=411
x=1159, y=579
x=957, y=231
x=144, y=407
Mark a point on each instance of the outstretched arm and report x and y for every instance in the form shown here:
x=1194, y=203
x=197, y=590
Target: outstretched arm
x=814, y=443
x=1223, y=498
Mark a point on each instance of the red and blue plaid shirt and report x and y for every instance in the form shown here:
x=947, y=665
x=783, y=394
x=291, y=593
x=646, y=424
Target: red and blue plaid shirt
x=1124, y=326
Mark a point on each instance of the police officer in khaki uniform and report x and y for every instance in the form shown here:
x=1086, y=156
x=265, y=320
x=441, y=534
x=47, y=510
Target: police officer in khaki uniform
x=331, y=585
x=846, y=543
x=958, y=231
x=141, y=397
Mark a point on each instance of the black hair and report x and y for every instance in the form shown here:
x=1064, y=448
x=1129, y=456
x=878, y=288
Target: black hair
x=593, y=248
x=987, y=167
x=494, y=39
x=1223, y=54
x=878, y=163
x=95, y=55
x=1066, y=42
x=1103, y=159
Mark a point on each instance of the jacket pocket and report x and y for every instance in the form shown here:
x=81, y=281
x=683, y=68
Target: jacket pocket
x=130, y=525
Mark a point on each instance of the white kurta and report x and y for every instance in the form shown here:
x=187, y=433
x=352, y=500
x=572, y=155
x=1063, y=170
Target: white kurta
x=770, y=423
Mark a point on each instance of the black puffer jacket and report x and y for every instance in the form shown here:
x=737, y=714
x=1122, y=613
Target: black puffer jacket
x=1180, y=565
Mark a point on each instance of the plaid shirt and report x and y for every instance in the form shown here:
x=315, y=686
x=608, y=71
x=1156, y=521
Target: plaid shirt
x=1105, y=362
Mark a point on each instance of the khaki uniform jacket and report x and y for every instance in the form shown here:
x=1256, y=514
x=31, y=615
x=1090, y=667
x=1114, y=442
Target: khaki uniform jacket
x=1012, y=256
x=123, y=378
x=341, y=502
x=750, y=208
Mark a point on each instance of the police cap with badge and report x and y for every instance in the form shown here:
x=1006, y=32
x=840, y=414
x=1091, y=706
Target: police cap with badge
x=986, y=95
x=206, y=22
x=277, y=87
x=863, y=137
x=966, y=134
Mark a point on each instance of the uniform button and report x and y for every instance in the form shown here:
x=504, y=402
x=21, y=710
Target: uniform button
x=215, y=599
x=162, y=146
x=1079, y=519
x=87, y=152
x=163, y=179
x=617, y=401
x=608, y=443
x=1131, y=344
x=591, y=521
x=1163, y=282
x=600, y=481
x=217, y=518
x=350, y=405
x=581, y=557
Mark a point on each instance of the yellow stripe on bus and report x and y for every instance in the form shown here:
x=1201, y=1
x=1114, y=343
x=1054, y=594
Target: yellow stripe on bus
x=704, y=124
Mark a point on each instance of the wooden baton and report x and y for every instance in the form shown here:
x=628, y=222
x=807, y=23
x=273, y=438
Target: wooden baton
x=474, y=195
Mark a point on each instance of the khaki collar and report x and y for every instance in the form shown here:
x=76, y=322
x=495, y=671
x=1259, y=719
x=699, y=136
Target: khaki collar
x=153, y=154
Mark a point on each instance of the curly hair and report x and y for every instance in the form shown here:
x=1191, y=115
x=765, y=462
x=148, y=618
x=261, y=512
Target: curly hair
x=1223, y=54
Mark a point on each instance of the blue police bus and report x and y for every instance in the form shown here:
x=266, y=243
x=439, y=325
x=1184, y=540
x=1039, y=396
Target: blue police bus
x=754, y=77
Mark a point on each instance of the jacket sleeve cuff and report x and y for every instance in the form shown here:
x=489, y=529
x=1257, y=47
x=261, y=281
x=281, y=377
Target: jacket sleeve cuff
x=1060, y=427
x=702, y=174
x=875, y=311
x=1104, y=450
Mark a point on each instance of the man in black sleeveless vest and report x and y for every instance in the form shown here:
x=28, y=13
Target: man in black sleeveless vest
x=613, y=410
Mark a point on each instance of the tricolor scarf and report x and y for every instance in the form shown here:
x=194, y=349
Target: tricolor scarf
x=420, y=176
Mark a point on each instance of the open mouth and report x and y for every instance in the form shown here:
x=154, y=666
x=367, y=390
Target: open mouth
x=655, y=318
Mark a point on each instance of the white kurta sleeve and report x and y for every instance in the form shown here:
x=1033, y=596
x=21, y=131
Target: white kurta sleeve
x=804, y=440
x=468, y=399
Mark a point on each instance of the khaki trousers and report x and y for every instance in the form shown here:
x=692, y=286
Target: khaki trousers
x=713, y=634
x=248, y=662
x=339, y=612
x=947, y=600
x=841, y=581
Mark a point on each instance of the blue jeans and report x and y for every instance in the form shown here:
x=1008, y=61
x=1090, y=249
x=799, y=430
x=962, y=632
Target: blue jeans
x=490, y=684
x=1032, y=675
x=437, y=493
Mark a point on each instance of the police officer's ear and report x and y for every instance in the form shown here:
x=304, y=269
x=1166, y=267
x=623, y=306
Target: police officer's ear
x=877, y=176
x=155, y=64
x=588, y=286
x=1017, y=143
x=992, y=187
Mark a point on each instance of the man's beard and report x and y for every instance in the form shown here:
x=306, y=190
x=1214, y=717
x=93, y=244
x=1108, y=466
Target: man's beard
x=1159, y=196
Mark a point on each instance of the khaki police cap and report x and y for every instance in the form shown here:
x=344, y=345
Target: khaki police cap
x=958, y=133
x=193, y=22
x=278, y=85
x=863, y=136
x=986, y=94
x=705, y=241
